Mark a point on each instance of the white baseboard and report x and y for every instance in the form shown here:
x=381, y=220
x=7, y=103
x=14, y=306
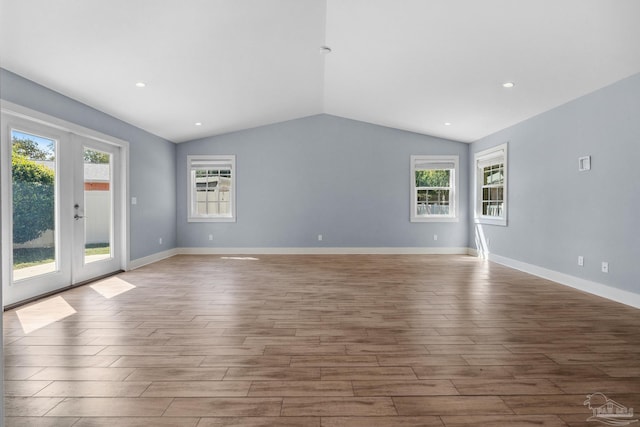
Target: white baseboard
x=137, y=263
x=324, y=251
x=604, y=291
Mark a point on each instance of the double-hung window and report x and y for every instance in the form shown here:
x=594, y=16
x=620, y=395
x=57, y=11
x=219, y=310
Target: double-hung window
x=491, y=186
x=434, y=191
x=212, y=188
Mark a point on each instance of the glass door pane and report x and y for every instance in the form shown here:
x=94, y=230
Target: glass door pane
x=98, y=200
x=35, y=237
x=97, y=223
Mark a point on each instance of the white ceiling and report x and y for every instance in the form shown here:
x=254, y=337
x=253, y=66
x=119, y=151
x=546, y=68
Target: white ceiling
x=236, y=64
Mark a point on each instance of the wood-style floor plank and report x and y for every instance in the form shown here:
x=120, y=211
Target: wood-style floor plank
x=224, y=406
x=336, y=406
x=321, y=341
x=260, y=422
x=381, y=422
x=503, y=421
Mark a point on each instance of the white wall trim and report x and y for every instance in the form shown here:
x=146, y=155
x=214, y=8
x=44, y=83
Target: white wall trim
x=599, y=289
x=474, y=252
x=324, y=251
x=159, y=256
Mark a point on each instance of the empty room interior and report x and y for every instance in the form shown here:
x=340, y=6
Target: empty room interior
x=320, y=213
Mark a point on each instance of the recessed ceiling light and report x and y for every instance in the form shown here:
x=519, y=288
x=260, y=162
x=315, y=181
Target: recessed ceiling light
x=325, y=49
x=447, y=123
x=141, y=84
x=198, y=124
x=508, y=84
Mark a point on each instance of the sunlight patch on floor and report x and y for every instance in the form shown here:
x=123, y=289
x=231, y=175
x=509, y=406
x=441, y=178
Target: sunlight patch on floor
x=44, y=313
x=482, y=243
x=111, y=287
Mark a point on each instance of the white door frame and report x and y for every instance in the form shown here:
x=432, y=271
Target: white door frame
x=16, y=113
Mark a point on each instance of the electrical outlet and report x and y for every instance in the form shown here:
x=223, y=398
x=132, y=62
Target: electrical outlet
x=160, y=240
x=580, y=260
x=605, y=267
x=134, y=200
x=584, y=163
x=210, y=236
x=435, y=237
x=319, y=237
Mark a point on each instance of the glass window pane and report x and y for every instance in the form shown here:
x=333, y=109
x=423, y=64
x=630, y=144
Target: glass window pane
x=97, y=205
x=433, y=178
x=487, y=176
x=33, y=171
x=485, y=193
x=438, y=196
x=492, y=208
x=498, y=177
x=439, y=210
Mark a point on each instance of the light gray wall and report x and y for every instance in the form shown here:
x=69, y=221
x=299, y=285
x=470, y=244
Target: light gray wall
x=152, y=175
x=346, y=180
x=557, y=213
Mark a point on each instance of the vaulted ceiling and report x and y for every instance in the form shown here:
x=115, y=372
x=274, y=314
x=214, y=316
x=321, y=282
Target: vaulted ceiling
x=430, y=66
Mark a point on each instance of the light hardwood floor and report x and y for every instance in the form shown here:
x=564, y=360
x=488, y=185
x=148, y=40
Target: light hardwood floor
x=318, y=341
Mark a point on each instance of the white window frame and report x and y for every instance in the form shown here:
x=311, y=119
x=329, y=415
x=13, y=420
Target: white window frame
x=434, y=162
x=222, y=161
x=482, y=159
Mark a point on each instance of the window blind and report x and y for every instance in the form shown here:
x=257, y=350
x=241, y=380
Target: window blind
x=196, y=164
x=491, y=159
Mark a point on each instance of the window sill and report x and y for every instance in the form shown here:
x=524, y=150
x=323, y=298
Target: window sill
x=433, y=219
x=211, y=219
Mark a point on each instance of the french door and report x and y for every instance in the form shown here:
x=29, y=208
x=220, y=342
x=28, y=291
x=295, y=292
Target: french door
x=63, y=225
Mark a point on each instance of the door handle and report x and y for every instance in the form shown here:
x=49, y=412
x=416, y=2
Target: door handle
x=77, y=216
